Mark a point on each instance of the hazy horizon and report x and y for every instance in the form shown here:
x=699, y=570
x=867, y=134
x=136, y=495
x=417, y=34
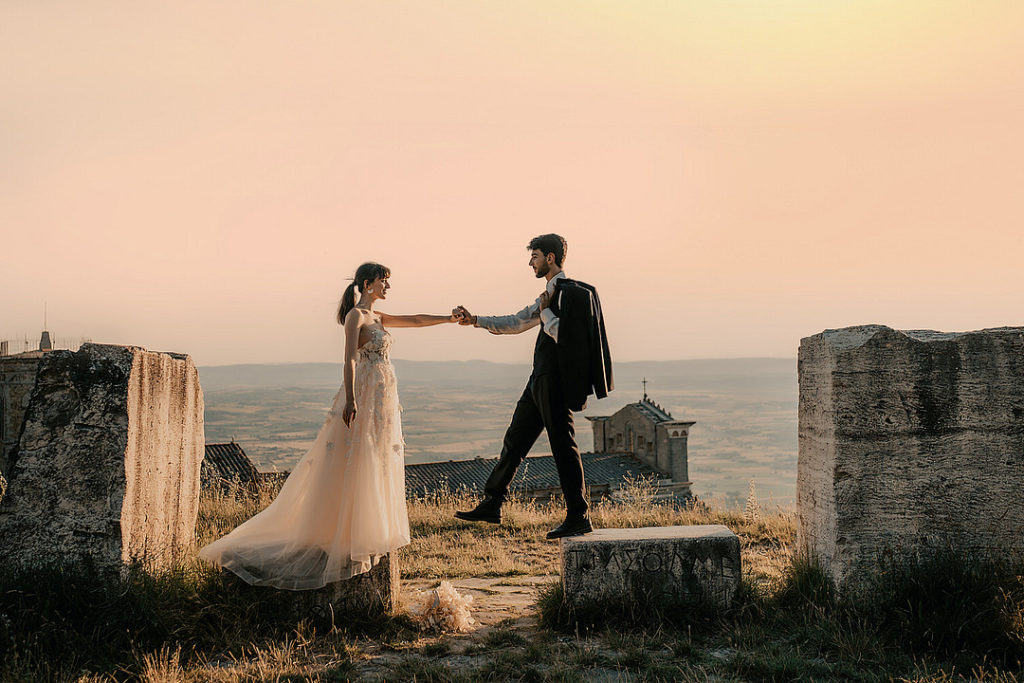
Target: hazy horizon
x=524, y=363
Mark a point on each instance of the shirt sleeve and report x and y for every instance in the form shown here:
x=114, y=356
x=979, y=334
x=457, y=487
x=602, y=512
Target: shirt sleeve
x=525, y=319
x=550, y=321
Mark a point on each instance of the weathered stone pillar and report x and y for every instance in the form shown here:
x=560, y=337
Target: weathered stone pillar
x=670, y=566
x=107, y=467
x=910, y=442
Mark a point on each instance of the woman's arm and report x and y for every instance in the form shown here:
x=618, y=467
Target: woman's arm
x=351, y=348
x=421, y=320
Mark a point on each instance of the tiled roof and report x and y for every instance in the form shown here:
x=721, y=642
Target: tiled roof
x=653, y=410
x=538, y=472
x=227, y=461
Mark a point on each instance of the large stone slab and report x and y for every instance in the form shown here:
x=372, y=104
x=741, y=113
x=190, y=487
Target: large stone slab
x=107, y=465
x=910, y=441
x=373, y=593
x=674, y=565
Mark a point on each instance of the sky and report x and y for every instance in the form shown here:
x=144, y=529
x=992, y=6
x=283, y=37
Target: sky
x=732, y=175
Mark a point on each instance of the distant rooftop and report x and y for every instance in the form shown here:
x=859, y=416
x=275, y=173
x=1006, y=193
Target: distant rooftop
x=536, y=472
x=225, y=462
x=653, y=410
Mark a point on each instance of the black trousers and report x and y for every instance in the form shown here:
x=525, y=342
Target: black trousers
x=541, y=407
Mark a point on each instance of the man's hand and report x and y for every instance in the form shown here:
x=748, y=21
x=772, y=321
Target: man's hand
x=464, y=316
x=545, y=300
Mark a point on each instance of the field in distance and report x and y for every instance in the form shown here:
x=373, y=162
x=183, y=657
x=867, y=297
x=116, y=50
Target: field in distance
x=745, y=409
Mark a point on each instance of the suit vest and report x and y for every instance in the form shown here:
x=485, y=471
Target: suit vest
x=545, y=352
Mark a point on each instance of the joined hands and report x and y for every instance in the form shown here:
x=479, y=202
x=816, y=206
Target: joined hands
x=462, y=316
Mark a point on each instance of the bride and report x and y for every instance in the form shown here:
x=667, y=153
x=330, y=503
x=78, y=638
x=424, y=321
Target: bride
x=343, y=506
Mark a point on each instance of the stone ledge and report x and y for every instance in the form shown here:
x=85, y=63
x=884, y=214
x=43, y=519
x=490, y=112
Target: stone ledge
x=674, y=565
x=374, y=593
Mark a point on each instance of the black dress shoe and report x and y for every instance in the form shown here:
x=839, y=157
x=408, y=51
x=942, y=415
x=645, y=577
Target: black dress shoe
x=572, y=527
x=484, y=512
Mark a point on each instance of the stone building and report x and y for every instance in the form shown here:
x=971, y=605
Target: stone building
x=17, y=375
x=648, y=432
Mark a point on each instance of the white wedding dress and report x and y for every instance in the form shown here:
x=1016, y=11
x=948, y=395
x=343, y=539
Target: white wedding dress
x=343, y=506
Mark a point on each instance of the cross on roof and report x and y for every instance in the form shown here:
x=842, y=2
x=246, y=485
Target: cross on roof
x=645, y=388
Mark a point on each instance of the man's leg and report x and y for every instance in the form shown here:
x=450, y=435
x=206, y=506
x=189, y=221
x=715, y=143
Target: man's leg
x=520, y=436
x=557, y=419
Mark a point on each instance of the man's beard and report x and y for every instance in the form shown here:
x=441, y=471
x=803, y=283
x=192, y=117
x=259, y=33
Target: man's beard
x=543, y=270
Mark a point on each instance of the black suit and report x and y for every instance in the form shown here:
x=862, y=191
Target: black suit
x=564, y=374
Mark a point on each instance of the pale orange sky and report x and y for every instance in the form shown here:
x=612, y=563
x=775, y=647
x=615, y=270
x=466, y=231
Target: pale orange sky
x=731, y=175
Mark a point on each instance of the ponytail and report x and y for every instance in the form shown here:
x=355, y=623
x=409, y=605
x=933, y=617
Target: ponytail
x=348, y=302
x=368, y=272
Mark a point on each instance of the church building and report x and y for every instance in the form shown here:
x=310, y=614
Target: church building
x=648, y=432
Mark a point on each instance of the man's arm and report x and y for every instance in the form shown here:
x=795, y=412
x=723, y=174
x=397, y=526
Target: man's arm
x=524, y=320
x=548, y=317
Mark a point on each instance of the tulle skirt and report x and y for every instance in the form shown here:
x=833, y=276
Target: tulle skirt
x=343, y=506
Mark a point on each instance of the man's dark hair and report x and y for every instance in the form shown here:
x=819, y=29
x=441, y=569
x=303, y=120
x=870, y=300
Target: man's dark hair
x=550, y=244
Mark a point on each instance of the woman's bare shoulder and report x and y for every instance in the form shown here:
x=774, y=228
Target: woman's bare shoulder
x=357, y=317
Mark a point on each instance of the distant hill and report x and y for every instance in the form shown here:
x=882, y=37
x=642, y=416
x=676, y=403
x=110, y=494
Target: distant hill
x=736, y=371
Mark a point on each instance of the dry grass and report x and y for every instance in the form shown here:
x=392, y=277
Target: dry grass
x=444, y=547
x=188, y=626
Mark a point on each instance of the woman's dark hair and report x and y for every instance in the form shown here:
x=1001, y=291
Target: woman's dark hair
x=550, y=244
x=368, y=272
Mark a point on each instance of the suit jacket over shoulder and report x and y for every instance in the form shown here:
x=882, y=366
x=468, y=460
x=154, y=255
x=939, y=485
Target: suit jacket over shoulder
x=585, y=363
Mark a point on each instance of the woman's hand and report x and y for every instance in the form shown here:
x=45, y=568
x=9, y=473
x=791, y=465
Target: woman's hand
x=349, y=413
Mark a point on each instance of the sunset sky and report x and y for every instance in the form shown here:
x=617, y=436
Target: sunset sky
x=732, y=175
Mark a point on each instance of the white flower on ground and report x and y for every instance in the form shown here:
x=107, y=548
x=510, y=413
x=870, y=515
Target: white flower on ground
x=443, y=609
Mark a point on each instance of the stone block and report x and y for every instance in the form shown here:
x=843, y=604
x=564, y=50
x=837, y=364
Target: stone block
x=373, y=593
x=673, y=566
x=107, y=465
x=910, y=442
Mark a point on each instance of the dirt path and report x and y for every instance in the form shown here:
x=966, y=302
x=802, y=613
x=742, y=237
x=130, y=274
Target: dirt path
x=495, y=600
x=499, y=605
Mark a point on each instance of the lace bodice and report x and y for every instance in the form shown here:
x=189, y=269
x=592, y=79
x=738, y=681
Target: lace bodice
x=377, y=348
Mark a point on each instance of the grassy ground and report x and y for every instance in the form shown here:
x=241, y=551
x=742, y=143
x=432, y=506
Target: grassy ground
x=944, y=620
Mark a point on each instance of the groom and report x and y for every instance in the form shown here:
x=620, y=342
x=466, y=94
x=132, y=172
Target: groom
x=570, y=362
